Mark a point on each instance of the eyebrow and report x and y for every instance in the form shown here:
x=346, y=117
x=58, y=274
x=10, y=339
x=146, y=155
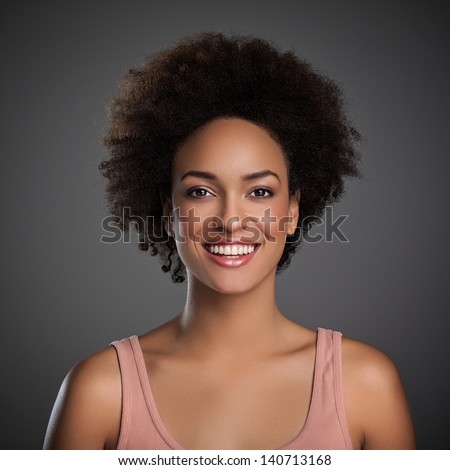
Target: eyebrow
x=248, y=177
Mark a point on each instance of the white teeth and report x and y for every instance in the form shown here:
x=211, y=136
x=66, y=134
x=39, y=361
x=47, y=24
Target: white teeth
x=233, y=250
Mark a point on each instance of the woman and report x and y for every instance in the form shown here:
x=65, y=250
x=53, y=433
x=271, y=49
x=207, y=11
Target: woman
x=223, y=150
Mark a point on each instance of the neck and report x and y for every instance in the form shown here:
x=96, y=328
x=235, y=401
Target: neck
x=232, y=325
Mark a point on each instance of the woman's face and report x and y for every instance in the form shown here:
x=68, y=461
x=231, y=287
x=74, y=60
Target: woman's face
x=230, y=196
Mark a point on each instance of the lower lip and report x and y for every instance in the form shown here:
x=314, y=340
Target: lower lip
x=228, y=262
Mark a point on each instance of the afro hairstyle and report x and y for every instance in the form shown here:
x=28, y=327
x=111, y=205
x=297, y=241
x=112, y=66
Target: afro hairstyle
x=208, y=75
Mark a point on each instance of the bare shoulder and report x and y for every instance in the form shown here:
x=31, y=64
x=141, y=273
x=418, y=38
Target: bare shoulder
x=375, y=399
x=98, y=374
x=86, y=414
x=367, y=364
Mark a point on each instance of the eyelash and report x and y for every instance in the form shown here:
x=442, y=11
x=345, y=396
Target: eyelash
x=191, y=191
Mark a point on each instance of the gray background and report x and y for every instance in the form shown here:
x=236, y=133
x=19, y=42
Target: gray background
x=65, y=295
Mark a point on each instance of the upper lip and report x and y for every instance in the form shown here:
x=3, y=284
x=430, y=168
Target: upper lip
x=231, y=242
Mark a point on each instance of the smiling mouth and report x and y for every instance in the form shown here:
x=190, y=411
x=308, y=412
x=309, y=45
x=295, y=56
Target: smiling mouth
x=231, y=251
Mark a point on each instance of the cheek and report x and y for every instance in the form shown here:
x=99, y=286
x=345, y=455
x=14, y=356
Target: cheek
x=187, y=222
x=275, y=221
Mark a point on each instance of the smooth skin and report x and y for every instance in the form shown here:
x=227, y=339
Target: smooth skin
x=230, y=335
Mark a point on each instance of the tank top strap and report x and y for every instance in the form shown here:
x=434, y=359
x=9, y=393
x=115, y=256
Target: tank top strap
x=139, y=414
x=135, y=412
x=130, y=381
x=329, y=386
x=338, y=386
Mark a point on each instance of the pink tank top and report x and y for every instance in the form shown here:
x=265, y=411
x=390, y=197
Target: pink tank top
x=325, y=426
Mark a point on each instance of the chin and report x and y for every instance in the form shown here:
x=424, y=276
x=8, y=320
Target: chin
x=230, y=283
x=230, y=288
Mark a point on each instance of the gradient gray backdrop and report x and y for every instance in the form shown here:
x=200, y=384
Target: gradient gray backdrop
x=65, y=295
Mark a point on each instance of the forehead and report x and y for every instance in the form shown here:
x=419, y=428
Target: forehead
x=230, y=145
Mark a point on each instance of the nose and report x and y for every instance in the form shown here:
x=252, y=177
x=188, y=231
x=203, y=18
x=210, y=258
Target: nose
x=231, y=213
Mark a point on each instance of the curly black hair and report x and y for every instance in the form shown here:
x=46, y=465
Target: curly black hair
x=205, y=76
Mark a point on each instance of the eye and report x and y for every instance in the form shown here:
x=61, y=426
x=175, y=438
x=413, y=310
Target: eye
x=259, y=193
x=198, y=193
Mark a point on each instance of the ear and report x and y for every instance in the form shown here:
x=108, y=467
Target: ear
x=166, y=205
x=294, y=212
